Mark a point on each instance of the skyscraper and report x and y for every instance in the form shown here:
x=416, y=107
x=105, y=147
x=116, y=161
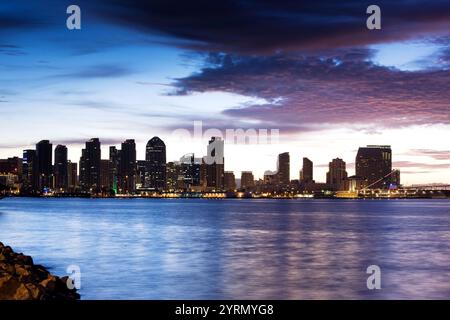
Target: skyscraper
x=283, y=169
x=155, y=155
x=29, y=172
x=90, y=166
x=105, y=175
x=114, y=157
x=215, y=163
x=60, y=168
x=190, y=170
x=127, y=167
x=374, y=163
x=83, y=179
x=306, y=174
x=247, y=180
x=337, y=174
x=44, y=165
x=141, y=170
x=229, y=181
x=172, y=172
x=72, y=176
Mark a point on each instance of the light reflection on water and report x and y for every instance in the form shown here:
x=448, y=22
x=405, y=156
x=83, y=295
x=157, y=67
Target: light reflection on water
x=237, y=249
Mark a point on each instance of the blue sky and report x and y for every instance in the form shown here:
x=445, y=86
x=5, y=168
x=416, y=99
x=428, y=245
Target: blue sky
x=139, y=69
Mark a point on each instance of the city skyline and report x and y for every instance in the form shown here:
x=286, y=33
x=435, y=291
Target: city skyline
x=313, y=71
x=123, y=170
x=294, y=172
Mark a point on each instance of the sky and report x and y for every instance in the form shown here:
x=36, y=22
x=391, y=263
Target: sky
x=309, y=69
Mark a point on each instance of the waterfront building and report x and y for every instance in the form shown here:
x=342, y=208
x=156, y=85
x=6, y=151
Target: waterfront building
x=247, y=180
x=141, y=169
x=114, y=157
x=11, y=166
x=374, y=163
x=283, y=170
x=60, y=168
x=190, y=172
x=29, y=172
x=72, y=176
x=337, y=175
x=90, y=163
x=155, y=155
x=127, y=167
x=44, y=165
x=105, y=175
x=172, y=172
x=395, y=179
x=214, y=164
x=9, y=183
x=306, y=174
x=229, y=181
x=356, y=183
x=270, y=178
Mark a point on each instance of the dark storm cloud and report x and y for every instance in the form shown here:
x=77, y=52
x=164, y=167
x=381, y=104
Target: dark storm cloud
x=256, y=47
x=341, y=88
x=328, y=83
x=236, y=26
x=268, y=25
x=298, y=56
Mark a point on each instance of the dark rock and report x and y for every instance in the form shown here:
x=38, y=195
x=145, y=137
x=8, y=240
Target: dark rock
x=21, y=279
x=21, y=258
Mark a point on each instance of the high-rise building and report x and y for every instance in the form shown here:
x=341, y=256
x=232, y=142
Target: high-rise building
x=374, y=163
x=90, y=166
x=127, y=167
x=172, y=172
x=72, y=176
x=60, y=168
x=155, y=155
x=44, y=165
x=306, y=174
x=247, y=180
x=105, y=175
x=190, y=171
x=283, y=170
x=337, y=175
x=141, y=170
x=83, y=173
x=215, y=163
x=114, y=157
x=229, y=181
x=29, y=172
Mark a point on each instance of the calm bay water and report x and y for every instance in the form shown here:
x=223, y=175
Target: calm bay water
x=237, y=249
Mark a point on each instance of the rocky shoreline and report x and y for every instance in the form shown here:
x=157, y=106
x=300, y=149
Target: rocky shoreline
x=21, y=279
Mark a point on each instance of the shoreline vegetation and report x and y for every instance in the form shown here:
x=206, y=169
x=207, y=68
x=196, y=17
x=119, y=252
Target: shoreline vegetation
x=21, y=279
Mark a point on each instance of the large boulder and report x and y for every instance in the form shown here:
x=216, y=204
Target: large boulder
x=21, y=279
